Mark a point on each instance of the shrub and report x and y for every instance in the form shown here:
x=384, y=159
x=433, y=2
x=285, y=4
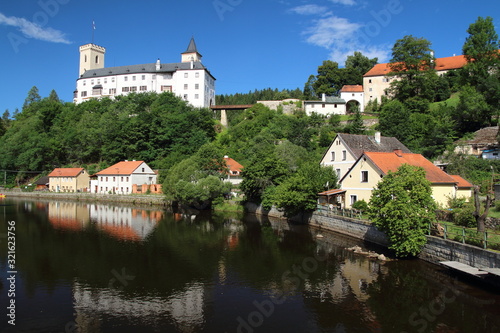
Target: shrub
x=360, y=205
x=464, y=216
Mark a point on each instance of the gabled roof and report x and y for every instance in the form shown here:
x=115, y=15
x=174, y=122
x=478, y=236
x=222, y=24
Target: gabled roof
x=441, y=64
x=484, y=136
x=42, y=181
x=352, y=88
x=65, y=172
x=233, y=165
x=462, y=183
x=386, y=162
x=357, y=144
x=121, y=168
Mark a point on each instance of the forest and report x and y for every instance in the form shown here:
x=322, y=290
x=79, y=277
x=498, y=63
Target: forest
x=280, y=152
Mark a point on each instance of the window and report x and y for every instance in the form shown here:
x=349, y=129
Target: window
x=91, y=82
x=370, y=81
x=85, y=58
x=122, y=178
x=339, y=173
x=96, y=59
x=105, y=80
x=133, y=78
x=335, y=106
x=144, y=88
x=370, y=89
x=153, y=77
x=196, y=86
x=344, y=155
x=166, y=88
x=333, y=156
x=186, y=75
x=185, y=97
x=143, y=77
x=354, y=198
x=106, y=178
x=97, y=91
x=127, y=178
x=133, y=88
x=196, y=96
x=197, y=75
x=84, y=82
x=113, y=79
x=323, y=105
x=352, y=95
x=112, y=91
x=125, y=89
x=126, y=78
x=185, y=86
x=364, y=176
x=98, y=81
x=114, y=179
x=84, y=94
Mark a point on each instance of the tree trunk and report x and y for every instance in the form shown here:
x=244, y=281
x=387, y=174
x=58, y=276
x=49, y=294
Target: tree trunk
x=480, y=218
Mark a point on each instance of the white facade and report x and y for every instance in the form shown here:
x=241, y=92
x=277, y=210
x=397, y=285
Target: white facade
x=118, y=180
x=327, y=106
x=349, y=96
x=189, y=79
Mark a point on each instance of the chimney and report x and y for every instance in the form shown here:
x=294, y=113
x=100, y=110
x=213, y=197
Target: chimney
x=398, y=152
x=377, y=137
x=158, y=65
x=323, y=97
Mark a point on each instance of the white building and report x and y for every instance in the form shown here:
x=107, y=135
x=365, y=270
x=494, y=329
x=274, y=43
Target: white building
x=188, y=79
x=327, y=106
x=353, y=94
x=121, y=178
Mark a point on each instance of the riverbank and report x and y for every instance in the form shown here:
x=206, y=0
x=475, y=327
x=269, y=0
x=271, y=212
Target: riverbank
x=144, y=199
x=435, y=251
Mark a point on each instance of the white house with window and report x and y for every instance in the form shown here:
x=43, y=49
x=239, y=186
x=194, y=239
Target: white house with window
x=326, y=106
x=188, y=79
x=122, y=177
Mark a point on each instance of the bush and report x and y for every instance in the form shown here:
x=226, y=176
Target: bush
x=360, y=205
x=464, y=216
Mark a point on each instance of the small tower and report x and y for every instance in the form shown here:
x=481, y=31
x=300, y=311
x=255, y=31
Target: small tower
x=191, y=53
x=91, y=57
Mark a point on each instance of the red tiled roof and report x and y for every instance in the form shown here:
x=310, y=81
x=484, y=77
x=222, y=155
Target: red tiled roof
x=332, y=192
x=233, y=165
x=65, y=172
x=391, y=162
x=121, y=168
x=352, y=88
x=461, y=183
x=442, y=64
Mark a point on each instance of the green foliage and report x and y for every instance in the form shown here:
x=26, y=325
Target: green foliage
x=464, y=216
x=402, y=206
x=355, y=123
x=361, y=205
x=472, y=112
x=299, y=192
x=252, y=97
x=260, y=175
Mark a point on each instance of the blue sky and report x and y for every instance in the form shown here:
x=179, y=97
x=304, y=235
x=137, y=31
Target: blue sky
x=246, y=44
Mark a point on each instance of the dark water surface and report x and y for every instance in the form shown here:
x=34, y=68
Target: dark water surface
x=101, y=268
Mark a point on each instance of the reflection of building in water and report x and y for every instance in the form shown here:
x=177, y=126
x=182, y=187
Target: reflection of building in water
x=68, y=215
x=125, y=222
x=184, y=307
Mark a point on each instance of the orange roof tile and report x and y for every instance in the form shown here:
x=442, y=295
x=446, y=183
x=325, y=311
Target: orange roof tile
x=352, y=88
x=391, y=162
x=461, y=183
x=65, y=172
x=233, y=165
x=121, y=168
x=442, y=64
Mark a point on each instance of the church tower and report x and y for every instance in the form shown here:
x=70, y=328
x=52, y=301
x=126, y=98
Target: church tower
x=191, y=53
x=91, y=57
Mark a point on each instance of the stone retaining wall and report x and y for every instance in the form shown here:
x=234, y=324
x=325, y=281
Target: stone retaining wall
x=436, y=249
x=157, y=200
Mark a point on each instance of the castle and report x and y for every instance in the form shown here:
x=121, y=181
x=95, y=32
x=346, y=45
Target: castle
x=188, y=79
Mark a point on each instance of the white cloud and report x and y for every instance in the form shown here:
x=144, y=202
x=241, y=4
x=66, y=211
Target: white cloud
x=310, y=10
x=344, y=2
x=33, y=30
x=342, y=37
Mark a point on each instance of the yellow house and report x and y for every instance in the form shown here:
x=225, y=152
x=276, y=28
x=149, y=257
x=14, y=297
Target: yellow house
x=464, y=188
x=371, y=167
x=69, y=180
x=346, y=149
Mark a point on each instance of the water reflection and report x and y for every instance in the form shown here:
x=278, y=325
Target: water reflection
x=105, y=268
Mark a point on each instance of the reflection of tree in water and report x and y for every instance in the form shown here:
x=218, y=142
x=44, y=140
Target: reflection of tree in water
x=425, y=301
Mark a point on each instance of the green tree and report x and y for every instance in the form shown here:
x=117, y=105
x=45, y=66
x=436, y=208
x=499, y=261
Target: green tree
x=472, y=111
x=329, y=80
x=299, y=192
x=260, y=175
x=355, y=123
x=412, y=64
x=33, y=96
x=401, y=205
x=356, y=66
x=394, y=119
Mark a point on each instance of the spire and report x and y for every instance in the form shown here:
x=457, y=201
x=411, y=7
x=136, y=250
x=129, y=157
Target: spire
x=192, y=46
x=191, y=53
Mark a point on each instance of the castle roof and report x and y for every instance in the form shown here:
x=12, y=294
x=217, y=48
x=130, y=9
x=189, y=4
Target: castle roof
x=352, y=88
x=192, y=47
x=441, y=64
x=142, y=69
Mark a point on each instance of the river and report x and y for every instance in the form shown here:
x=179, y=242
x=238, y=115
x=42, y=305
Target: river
x=80, y=267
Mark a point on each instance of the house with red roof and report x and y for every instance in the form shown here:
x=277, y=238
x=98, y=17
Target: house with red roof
x=353, y=94
x=234, y=171
x=124, y=177
x=359, y=182
x=376, y=81
x=69, y=180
